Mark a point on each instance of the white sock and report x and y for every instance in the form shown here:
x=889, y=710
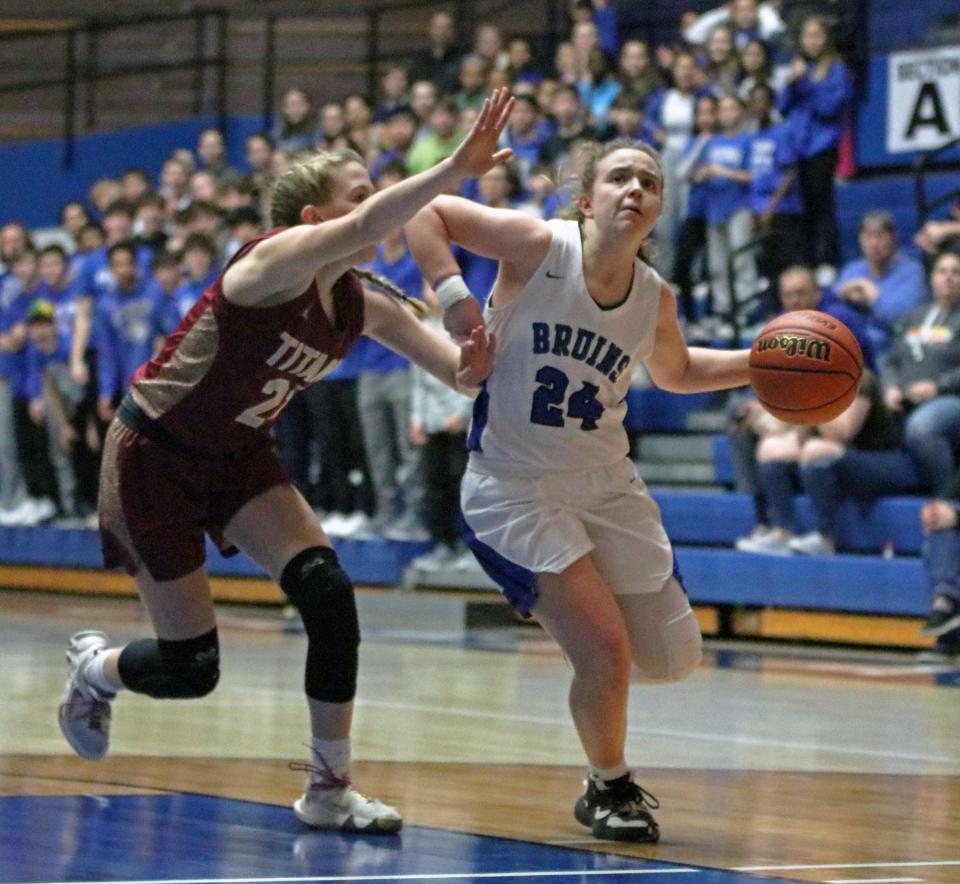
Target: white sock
x=94, y=674
x=605, y=774
x=332, y=754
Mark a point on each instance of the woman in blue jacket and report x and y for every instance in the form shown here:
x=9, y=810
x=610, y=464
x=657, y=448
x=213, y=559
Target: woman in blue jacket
x=815, y=102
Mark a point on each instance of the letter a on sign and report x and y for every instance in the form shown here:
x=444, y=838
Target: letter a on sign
x=923, y=99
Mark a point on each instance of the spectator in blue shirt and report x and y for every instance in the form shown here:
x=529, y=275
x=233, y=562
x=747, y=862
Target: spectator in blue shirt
x=726, y=171
x=127, y=327
x=884, y=285
x=816, y=101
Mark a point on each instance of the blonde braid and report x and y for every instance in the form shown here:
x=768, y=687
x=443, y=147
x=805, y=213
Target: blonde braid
x=381, y=283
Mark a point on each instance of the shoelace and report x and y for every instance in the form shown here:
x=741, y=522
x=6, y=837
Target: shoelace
x=633, y=798
x=321, y=777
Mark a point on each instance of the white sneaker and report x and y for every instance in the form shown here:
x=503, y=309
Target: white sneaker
x=84, y=712
x=329, y=802
x=20, y=516
x=773, y=543
x=440, y=557
x=407, y=528
x=43, y=509
x=743, y=543
x=813, y=544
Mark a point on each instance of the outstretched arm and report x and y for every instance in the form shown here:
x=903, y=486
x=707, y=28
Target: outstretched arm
x=681, y=369
x=288, y=261
x=460, y=367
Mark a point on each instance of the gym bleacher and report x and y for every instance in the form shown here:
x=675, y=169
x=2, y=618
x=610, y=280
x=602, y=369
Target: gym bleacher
x=679, y=442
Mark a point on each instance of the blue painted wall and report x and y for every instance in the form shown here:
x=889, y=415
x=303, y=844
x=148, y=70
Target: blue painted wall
x=34, y=182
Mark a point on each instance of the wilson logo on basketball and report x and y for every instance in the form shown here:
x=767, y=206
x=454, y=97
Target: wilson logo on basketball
x=796, y=345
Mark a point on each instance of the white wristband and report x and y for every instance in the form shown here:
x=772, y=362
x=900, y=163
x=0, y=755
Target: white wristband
x=452, y=289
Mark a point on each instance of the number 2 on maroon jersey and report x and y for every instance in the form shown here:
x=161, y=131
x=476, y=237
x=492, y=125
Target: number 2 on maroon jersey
x=278, y=392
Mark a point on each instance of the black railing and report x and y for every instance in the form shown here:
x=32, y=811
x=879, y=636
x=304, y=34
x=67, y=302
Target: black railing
x=927, y=162
x=741, y=309
x=84, y=69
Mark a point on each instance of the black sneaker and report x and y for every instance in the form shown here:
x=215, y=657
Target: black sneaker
x=945, y=651
x=943, y=618
x=618, y=810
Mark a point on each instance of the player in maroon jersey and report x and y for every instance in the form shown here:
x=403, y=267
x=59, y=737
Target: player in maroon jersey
x=189, y=454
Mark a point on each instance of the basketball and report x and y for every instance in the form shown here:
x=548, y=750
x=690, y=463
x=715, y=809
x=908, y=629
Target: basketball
x=805, y=367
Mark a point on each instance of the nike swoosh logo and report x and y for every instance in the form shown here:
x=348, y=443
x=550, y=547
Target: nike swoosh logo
x=553, y=275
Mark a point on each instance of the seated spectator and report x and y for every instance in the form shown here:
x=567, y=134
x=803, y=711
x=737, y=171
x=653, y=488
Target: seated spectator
x=939, y=235
x=749, y=18
x=298, y=126
x=816, y=101
x=439, y=61
x=798, y=290
x=440, y=142
x=884, y=285
x=858, y=455
x=922, y=376
x=940, y=522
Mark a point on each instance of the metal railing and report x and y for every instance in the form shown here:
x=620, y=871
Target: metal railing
x=85, y=69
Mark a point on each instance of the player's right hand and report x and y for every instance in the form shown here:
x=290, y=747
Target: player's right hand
x=478, y=152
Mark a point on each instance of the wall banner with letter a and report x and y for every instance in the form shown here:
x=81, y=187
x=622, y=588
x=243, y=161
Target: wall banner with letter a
x=923, y=99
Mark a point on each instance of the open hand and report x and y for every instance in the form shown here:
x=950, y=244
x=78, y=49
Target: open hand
x=476, y=358
x=478, y=152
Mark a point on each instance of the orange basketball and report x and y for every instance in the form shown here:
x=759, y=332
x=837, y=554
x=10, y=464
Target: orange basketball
x=805, y=367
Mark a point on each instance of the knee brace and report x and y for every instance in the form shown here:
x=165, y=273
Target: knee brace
x=323, y=594
x=172, y=670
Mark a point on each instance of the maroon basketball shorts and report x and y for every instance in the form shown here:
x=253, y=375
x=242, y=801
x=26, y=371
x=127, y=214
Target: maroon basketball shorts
x=157, y=504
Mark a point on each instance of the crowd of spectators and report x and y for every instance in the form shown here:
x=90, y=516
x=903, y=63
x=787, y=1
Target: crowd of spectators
x=749, y=107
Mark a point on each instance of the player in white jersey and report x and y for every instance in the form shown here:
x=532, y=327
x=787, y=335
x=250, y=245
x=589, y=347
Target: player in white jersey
x=556, y=513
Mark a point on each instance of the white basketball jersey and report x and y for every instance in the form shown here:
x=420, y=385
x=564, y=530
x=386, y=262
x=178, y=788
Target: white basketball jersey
x=556, y=399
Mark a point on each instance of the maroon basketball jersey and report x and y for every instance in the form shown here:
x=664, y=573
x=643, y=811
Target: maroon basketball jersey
x=223, y=377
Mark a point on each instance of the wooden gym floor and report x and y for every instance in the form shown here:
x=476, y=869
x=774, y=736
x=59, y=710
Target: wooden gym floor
x=776, y=764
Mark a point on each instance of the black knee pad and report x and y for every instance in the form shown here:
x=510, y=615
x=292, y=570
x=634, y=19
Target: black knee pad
x=323, y=594
x=172, y=670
